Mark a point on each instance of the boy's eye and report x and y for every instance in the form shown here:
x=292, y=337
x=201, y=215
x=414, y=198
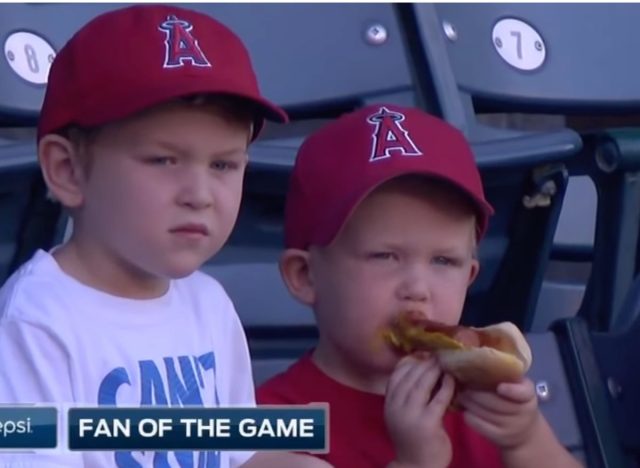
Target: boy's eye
x=162, y=160
x=442, y=260
x=382, y=256
x=223, y=165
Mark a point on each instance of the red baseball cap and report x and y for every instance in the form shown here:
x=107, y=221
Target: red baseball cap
x=344, y=161
x=129, y=59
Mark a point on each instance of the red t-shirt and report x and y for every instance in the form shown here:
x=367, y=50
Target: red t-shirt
x=358, y=436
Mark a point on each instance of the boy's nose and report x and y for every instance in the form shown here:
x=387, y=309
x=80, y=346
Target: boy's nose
x=415, y=295
x=196, y=191
x=415, y=286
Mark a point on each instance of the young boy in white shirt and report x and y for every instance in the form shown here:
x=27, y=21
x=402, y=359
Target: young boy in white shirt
x=143, y=138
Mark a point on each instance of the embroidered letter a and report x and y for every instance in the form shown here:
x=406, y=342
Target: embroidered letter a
x=389, y=135
x=181, y=47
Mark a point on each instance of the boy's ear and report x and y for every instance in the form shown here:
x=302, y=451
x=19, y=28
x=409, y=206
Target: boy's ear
x=294, y=268
x=473, y=273
x=60, y=170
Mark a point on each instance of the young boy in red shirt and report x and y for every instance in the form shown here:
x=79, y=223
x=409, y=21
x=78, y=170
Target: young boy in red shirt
x=383, y=214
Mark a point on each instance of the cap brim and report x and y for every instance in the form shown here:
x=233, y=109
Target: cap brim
x=271, y=111
x=267, y=110
x=483, y=208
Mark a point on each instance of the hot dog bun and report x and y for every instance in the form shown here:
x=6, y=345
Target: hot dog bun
x=478, y=358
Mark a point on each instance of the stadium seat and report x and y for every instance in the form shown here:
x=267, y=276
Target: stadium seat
x=564, y=83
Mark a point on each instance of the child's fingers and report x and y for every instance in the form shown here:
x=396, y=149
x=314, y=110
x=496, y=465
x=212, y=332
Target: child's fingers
x=442, y=399
x=423, y=355
x=487, y=401
x=482, y=412
x=481, y=425
x=415, y=384
x=490, y=401
x=420, y=390
x=402, y=367
x=405, y=377
x=520, y=392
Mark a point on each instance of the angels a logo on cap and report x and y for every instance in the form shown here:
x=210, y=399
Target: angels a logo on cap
x=389, y=135
x=181, y=47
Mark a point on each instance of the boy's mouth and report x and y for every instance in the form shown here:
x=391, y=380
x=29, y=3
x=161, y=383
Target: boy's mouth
x=195, y=229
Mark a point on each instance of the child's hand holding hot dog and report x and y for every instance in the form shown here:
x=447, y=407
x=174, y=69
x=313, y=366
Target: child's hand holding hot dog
x=414, y=407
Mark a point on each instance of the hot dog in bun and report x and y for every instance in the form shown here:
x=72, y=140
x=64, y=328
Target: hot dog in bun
x=477, y=357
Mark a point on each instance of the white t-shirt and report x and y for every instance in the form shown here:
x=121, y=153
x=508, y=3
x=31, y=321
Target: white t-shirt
x=67, y=343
